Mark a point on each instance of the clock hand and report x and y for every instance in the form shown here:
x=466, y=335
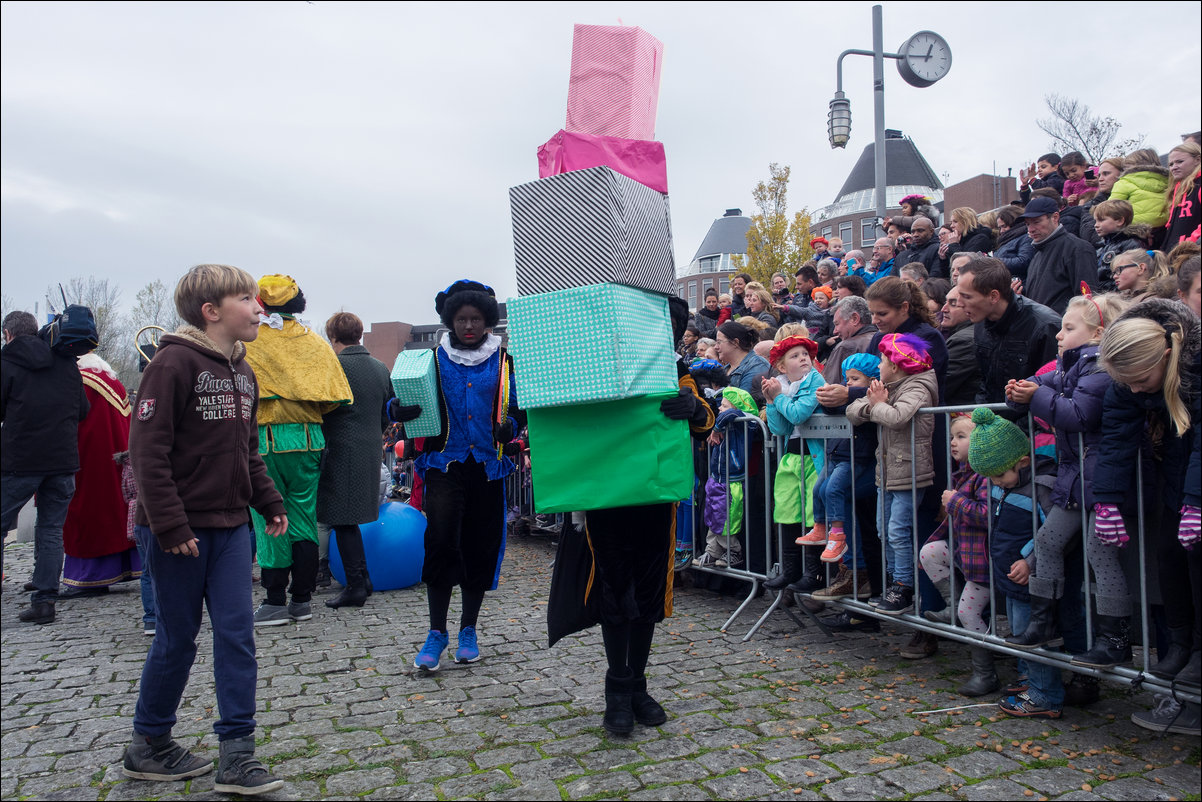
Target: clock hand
x=930, y=50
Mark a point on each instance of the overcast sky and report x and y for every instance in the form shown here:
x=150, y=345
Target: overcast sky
x=367, y=149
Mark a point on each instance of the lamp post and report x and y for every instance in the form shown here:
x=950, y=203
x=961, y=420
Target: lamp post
x=924, y=58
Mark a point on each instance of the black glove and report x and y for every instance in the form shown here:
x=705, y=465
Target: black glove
x=512, y=449
x=502, y=432
x=401, y=413
x=681, y=407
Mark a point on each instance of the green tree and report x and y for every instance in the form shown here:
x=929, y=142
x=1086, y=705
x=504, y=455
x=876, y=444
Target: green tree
x=775, y=241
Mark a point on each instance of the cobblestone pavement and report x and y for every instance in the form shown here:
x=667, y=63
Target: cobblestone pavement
x=793, y=714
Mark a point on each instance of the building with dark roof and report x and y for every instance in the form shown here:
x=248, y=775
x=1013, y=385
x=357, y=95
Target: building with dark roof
x=711, y=265
x=852, y=215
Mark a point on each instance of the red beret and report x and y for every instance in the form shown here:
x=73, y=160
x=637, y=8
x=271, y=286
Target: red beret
x=788, y=344
x=817, y=240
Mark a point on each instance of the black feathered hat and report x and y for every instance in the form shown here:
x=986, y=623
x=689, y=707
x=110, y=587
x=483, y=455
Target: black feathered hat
x=467, y=293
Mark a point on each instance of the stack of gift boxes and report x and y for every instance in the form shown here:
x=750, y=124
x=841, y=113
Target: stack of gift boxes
x=590, y=335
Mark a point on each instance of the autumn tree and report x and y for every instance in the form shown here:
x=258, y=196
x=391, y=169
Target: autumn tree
x=1073, y=126
x=776, y=242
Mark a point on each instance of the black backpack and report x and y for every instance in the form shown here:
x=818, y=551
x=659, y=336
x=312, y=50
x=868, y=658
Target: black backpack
x=73, y=332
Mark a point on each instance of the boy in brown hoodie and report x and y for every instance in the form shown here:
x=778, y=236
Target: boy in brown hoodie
x=194, y=448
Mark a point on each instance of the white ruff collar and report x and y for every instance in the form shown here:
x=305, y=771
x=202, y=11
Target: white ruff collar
x=473, y=357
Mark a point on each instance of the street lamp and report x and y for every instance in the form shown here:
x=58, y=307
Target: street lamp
x=838, y=121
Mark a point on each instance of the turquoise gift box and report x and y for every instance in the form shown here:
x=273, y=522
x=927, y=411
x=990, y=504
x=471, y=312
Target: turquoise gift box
x=616, y=454
x=415, y=381
x=585, y=345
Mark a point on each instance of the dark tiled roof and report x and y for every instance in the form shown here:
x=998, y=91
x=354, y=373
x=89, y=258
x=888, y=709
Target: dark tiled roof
x=726, y=235
x=904, y=166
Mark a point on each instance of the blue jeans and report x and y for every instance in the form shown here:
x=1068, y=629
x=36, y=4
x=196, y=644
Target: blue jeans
x=835, y=492
x=897, y=513
x=1044, y=685
x=147, y=584
x=219, y=578
x=53, y=497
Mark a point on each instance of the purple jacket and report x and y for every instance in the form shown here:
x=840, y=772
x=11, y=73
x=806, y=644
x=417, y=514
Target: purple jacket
x=1070, y=399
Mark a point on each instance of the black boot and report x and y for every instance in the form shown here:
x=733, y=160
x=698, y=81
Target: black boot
x=647, y=711
x=984, y=676
x=1111, y=643
x=354, y=562
x=1192, y=673
x=323, y=574
x=1041, y=630
x=38, y=613
x=353, y=595
x=1176, y=656
x=790, y=569
x=619, y=714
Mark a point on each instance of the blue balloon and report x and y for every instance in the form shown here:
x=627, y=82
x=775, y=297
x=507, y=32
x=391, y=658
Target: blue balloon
x=395, y=546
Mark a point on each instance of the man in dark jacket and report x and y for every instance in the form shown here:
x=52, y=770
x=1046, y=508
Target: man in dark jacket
x=923, y=248
x=963, y=372
x=41, y=405
x=1014, y=336
x=853, y=327
x=1061, y=261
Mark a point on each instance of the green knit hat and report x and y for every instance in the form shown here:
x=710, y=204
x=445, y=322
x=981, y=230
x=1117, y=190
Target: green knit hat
x=996, y=444
x=741, y=399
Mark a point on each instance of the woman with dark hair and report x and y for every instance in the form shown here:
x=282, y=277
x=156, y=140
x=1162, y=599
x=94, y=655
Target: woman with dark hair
x=348, y=492
x=1014, y=247
x=744, y=367
x=464, y=467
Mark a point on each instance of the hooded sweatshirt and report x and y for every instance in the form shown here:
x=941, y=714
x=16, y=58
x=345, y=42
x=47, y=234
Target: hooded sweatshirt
x=194, y=440
x=41, y=405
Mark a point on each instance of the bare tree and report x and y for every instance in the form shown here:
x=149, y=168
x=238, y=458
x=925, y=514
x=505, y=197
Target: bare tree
x=1073, y=127
x=154, y=305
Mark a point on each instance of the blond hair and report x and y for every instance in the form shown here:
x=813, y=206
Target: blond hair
x=792, y=330
x=966, y=216
x=1185, y=186
x=765, y=299
x=210, y=284
x=1099, y=311
x=1133, y=347
x=1154, y=261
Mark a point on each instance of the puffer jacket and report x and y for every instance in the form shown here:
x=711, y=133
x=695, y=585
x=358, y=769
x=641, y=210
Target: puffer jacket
x=1070, y=399
x=895, y=463
x=1012, y=532
x=1139, y=423
x=1144, y=188
x=980, y=240
x=1016, y=250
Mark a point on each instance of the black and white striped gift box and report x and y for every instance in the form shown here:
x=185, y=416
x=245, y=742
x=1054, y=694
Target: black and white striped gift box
x=592, y=226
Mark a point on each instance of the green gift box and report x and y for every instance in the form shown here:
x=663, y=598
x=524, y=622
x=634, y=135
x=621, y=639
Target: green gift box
x=614, y=454
x=415, y=381
x=589, y=344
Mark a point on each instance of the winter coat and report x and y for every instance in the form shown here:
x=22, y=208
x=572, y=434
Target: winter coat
x=968, y=515
x=963, y=371
x=895, y=463
x=1061, y=263
x=1070, y=399
x=1185, y=218
x=791, y=409
x=1015, y=345
x=41, y=405
x=927, y=254
x=870, y=276
x=1139, y=423
x=980, y=240
x=1144, y=188
x=707, y=321
x=727, y=462
x=348, y=491
x=1133, y=237
x=1012, y=530
x=1016, y=250
x=194, y=440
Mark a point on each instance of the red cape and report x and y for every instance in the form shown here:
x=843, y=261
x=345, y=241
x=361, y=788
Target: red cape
x=95, y=525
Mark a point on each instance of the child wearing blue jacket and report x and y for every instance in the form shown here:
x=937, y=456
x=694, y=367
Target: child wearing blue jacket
x=723, y=510
x=1019, y=499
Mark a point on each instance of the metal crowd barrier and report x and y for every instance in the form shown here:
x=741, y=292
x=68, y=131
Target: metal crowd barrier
x=830, y=427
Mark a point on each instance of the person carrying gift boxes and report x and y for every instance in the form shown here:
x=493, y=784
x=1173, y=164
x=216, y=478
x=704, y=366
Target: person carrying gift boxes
x=464, y=468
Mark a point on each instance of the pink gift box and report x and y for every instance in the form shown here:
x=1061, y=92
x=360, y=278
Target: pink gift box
x=614, y=85
x=640, y=159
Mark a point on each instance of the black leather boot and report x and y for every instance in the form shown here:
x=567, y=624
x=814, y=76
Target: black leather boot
x=1192, y=673
x=790, y=569
x=984, y=676
x=619, y=714
x=38, y=613
x=1176, y=656
x=1041, y=630
x=1111, y=643
x=647, y=711
x=355, y=592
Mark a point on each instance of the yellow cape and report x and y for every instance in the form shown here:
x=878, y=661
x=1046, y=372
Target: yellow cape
x=298, y=374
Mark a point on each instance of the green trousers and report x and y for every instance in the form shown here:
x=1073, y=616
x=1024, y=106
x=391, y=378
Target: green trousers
x=295, y=474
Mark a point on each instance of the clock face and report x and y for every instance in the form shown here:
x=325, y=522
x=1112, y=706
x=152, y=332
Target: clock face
x=926, y=57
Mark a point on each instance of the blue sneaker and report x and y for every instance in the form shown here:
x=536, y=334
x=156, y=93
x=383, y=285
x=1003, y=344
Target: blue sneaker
x=468, y=651
x=430, y=655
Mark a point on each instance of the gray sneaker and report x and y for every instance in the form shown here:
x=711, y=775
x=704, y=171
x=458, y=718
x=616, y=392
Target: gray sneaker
x=1170, y=716
x=271, y=615
x=161, y=759
x=300, y=611
x=240, y=772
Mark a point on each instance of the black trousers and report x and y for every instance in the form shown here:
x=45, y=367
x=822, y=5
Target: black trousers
x=303, y=572
x=465, y=527
x=632, y=551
